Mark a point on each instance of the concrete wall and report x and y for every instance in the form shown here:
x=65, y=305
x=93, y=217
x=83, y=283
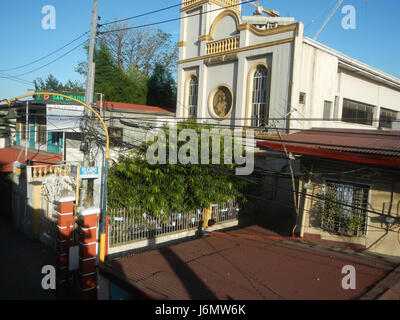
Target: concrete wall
x=254, y=49
x=321, y=76
x=384, y=199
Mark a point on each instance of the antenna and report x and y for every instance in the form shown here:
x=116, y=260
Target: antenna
x=339, y=3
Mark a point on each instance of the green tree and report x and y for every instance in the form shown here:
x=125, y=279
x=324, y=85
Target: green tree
x=114, y=82
x=161, y=88
x=160, y=189
x=6, y=123
x=52, y=84
x=142, y=48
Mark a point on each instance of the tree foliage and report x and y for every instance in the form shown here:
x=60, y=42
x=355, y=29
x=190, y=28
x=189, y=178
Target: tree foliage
x=141, y=48
x=161, y=189
x=52, y=84
x=115, y=83
x=127, y=58
x=161, y=88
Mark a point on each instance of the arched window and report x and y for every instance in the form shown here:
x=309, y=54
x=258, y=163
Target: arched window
x=192, y=103
x=259, y=96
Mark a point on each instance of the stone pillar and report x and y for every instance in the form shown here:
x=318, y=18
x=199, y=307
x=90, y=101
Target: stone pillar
x=65, y=229
x=88, y=219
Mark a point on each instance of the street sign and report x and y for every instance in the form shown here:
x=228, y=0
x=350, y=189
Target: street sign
x=89, y=172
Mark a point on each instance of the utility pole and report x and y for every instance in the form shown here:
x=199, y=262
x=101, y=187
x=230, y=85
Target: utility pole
x=99, y=184
x=90, y=74
x=89, y=92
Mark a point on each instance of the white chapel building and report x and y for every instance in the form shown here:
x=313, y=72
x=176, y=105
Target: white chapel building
x=252, y=70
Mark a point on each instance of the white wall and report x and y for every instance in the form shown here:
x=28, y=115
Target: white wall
x=321, y=78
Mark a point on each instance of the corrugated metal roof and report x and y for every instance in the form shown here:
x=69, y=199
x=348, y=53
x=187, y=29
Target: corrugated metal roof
x=373, y=142
x=243, y=268
x=133, y=107
x=14, y=153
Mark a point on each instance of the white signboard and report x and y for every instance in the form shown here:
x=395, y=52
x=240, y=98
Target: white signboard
x=89, y=172
x=64, y=118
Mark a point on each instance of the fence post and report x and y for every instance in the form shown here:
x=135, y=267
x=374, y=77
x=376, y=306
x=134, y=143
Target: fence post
x=207, y=215
x=87, y=253
x=65, y=226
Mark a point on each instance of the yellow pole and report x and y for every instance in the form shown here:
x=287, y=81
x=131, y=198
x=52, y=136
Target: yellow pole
x=102, y=248
x=77, y=188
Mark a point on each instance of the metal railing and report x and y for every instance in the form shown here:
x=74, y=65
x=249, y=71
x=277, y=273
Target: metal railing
x=227, y=212
x=126, y=227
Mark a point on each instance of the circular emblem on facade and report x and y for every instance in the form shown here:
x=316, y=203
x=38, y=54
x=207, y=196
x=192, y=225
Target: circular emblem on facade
x=220, y=102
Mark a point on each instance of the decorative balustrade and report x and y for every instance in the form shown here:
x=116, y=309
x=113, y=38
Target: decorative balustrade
x=225, y=45
x=40, y=172
x=231, y=4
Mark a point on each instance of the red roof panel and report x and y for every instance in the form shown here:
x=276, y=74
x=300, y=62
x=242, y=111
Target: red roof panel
x=132, y=107
x=365, y=144
x=14, y=153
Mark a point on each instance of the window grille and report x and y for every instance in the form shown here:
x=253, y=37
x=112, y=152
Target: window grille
x=116, y=135
x=193, y=92
x=259, y=97
x=344, y=209
x=41, y=134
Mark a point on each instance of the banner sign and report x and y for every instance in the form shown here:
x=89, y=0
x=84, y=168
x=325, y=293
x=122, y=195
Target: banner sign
x=64, y=118
x=89, y=172
x=51, y=98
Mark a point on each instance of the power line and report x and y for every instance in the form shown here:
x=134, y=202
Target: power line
x=174, y=19
x=141, y=15
x=23, y=81
x=48, y=55
x=58, y=58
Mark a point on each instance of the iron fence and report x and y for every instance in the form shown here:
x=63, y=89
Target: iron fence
x=126, y=227
x=224, y=213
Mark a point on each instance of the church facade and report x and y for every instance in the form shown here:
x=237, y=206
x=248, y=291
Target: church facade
x=256, y=71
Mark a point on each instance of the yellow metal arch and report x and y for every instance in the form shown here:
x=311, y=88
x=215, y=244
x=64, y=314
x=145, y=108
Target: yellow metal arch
x=73, y=99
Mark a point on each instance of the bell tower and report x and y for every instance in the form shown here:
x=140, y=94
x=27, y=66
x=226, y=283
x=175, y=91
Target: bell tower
x=197, y=17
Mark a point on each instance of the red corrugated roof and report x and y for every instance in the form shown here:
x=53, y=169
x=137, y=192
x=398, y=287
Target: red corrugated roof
x=14, y=153
x=243, y=268
x=132, y=107
x=368, y=146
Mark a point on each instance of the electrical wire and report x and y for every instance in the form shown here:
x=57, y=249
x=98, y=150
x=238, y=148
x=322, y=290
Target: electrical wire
x=141, y=15
x=58, y=58
x=174, y=19
x=48, y=55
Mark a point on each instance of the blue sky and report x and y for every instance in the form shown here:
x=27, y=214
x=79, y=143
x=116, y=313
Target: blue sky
x=375, y=41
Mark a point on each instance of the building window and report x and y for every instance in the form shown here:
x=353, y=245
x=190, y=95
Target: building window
x=344, y=209
x=41, y=135
x=302, y=98
x=259, y=97
x=116, y=135
x=327, y=110
x=23, y=130
x=357, y=112
x=386, y=118
x=193, y=93
x=41, y=132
